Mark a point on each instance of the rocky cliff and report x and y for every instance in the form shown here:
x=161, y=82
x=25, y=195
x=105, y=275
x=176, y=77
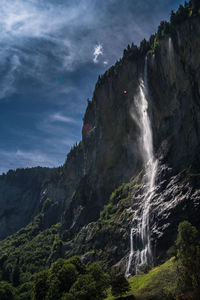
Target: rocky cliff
x=25, y=193
x=115, y=155
x=101, y=186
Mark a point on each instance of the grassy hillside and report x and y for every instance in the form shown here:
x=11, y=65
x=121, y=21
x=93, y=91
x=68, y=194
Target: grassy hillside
x=158, y=283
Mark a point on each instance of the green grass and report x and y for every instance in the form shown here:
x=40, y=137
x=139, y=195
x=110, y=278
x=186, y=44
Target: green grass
x=159, y=279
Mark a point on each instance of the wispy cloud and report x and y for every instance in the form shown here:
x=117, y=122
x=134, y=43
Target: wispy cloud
x=7, y=84
x=49, y=65
x=25, y=159
x=50, y=37
x=98, y=50
x=58, y=117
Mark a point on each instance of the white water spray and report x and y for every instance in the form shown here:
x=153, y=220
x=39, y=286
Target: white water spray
x=142, y=251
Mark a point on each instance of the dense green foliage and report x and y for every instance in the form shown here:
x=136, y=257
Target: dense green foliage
x=28, y=251
x=120, y=285
x=65, y=279
x=6, y=291
x=188, y=254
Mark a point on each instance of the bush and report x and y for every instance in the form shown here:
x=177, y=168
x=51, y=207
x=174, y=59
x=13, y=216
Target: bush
x=145, y=268
x=120, y=285
x=172, y=251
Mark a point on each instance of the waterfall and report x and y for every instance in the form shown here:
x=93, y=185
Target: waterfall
x=142, y=250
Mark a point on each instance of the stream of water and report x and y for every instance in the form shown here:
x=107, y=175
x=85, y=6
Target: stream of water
x=141, y=252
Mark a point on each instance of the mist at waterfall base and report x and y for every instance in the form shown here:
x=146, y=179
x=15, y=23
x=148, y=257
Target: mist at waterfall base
x=140, y=244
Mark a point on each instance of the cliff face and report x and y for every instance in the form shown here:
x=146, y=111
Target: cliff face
x=110, y=145
x=25, y=193
x=114, y=154
x=175, y=86
x=110, y=155
x=19, y=194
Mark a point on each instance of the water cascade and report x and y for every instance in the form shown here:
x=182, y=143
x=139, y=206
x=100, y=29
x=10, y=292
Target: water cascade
x=141, y=251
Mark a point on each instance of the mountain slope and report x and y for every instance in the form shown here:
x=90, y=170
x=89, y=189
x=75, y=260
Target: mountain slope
x=110, y=158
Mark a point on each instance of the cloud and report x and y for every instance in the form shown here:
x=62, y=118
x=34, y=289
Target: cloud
x=60, y=118
x=25, y=159
x=98, y=50
x=48, y=67
x=53, y=37
x=7, y=84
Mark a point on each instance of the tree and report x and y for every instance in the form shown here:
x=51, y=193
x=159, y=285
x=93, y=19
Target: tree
x=67, y=275
x=15, y=276
x=7, y=292
x=173, y=18
x=84, y=288
x=24, y=291
x=80, y=267
x=163, y=29
x=102, y=280
x=41, y=285
x=188, y=254
x=54, y=291
x=144, y=47
x=119, y=285
x=62, y=276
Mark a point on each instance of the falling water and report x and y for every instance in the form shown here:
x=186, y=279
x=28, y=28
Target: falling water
x=142, y=253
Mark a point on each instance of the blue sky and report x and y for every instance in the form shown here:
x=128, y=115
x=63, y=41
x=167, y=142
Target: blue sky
x=51, y=53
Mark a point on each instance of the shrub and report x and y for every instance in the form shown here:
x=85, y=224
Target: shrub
x=119, y=285
x=145, y=268
x=172, y=251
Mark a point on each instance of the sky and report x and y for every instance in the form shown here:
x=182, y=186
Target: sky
x=51, y=54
